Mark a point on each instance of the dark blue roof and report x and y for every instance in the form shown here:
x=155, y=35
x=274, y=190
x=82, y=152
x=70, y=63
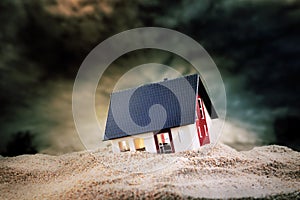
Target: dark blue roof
x=155, y=106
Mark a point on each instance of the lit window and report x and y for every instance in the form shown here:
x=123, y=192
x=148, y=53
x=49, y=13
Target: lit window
x=124, y=146
x=139, y=144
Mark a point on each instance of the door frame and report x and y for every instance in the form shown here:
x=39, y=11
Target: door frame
x=167, y=130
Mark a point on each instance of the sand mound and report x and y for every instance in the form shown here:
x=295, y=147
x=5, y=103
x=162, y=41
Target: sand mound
x=211, y=172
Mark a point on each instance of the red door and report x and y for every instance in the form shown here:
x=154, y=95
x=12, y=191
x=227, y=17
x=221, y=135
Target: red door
x=201, y=124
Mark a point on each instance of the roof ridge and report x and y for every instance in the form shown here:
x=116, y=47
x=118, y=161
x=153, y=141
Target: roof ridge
x=153, y=83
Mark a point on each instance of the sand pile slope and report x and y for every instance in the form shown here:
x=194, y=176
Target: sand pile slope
x=211, y=172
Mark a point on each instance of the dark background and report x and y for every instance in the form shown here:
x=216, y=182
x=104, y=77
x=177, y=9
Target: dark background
x=255, y=44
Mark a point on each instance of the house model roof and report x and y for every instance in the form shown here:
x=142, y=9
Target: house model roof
x=175, y=102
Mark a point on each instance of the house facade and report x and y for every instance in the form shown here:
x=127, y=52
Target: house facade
x=186, y=115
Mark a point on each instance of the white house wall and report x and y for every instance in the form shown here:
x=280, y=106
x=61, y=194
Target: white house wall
x=148, y=141
x=115, y=146
x=196, y=142
x=185, y=138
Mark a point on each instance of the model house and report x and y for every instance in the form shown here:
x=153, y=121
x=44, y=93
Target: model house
x=165, y=117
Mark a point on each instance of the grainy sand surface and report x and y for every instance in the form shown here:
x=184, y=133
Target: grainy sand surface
x=211, y=172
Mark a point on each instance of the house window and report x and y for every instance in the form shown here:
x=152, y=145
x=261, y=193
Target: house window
x=139, y=144
x=124, y=146
x=201, y=109
x=199, y=131
x=205, y=130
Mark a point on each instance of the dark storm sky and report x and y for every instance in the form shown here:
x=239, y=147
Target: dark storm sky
x=255, y=44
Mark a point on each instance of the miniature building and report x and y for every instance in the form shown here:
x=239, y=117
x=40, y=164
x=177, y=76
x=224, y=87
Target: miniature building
x=188, y=117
